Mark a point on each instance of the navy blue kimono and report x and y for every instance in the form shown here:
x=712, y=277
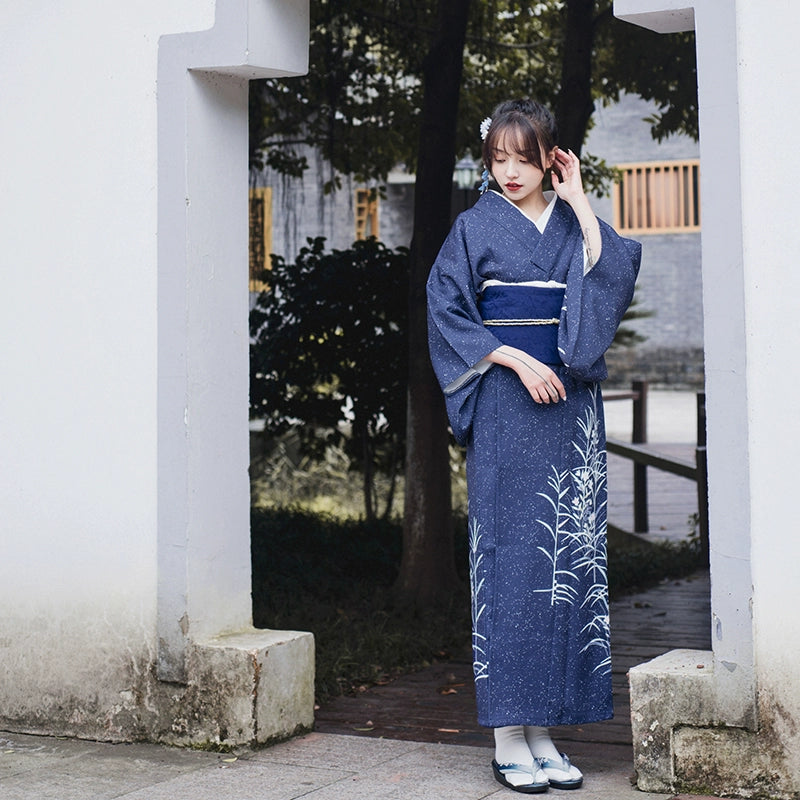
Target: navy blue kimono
x=536, y=473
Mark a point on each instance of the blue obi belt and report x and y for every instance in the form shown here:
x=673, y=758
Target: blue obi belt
x=525, y=317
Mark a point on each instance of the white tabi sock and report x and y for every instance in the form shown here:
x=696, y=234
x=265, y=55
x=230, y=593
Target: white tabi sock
x=510, y=746
x=541, y=746
x=539, y=743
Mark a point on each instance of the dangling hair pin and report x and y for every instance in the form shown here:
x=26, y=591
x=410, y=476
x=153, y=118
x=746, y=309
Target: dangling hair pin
x=484, y=181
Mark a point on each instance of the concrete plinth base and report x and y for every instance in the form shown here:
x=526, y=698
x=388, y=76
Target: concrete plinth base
x=245, y=688
x=731, y=762
x=687, y=739
x=674, y=689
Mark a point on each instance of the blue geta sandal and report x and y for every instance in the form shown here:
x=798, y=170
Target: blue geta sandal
x=556, y=770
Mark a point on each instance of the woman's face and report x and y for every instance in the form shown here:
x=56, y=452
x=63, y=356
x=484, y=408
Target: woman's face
x=519, y=178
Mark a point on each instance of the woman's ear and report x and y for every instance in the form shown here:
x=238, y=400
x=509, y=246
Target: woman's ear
x=551, y=157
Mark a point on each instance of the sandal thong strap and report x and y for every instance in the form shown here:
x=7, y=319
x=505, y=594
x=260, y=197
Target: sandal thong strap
x=532, y=787
x=562, y=765
x=554, y=763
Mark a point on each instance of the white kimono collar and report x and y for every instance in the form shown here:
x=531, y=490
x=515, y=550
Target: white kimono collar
x=544, y=217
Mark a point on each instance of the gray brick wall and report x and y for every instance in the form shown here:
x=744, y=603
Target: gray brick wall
x=301, y=210
x=670, y=281
x=620, y=134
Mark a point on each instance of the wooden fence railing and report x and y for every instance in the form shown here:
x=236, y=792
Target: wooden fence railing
x=644, y=457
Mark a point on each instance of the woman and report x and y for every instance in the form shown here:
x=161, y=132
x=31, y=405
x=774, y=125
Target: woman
x=524, y=299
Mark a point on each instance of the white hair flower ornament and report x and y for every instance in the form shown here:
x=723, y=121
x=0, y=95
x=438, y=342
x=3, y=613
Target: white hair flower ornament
x=485, y=125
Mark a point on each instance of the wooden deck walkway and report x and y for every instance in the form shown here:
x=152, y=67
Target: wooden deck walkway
x=437, y=704
x=671, y=418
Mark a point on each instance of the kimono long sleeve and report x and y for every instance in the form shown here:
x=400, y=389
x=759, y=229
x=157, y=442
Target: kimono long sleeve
x=457, y=339
x=595, y=303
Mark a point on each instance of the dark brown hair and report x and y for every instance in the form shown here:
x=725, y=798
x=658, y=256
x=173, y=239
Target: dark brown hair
x=525, y=126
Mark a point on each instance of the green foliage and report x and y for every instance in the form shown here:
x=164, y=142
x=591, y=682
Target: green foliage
x=360, y=93
x=328, y=358
x=281, y=476
x=657, y=67
x=636, y=565
x=361, y=102
x=319, y=556
x=333, y=577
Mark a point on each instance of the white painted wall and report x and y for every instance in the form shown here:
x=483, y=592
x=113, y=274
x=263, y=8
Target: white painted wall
x=770, y=167
x=749, y=119
x=123, y=413
x=727, y=402
x=78, y=313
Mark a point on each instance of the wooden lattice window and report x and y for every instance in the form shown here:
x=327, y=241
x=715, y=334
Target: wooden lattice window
x=658, y=197
x=366, y=213
x=260, y=236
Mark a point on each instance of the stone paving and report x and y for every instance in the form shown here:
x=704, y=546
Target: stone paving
x=317, y=767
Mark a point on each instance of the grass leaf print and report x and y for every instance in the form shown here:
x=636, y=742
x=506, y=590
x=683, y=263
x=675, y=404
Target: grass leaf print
x=577, y=556
x=480, y=663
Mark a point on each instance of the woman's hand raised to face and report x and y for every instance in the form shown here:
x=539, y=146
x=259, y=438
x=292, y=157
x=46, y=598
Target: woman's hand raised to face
x=566, y=175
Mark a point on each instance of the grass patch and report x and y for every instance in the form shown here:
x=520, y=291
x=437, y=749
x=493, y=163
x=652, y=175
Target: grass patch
x=333, y=577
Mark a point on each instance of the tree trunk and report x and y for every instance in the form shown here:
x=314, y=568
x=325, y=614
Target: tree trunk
x=575, y=105
x=427, y=571
x=387, y=511
x=361, y=427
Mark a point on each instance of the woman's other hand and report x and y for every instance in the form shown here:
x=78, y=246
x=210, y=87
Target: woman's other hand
x=542, y=383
